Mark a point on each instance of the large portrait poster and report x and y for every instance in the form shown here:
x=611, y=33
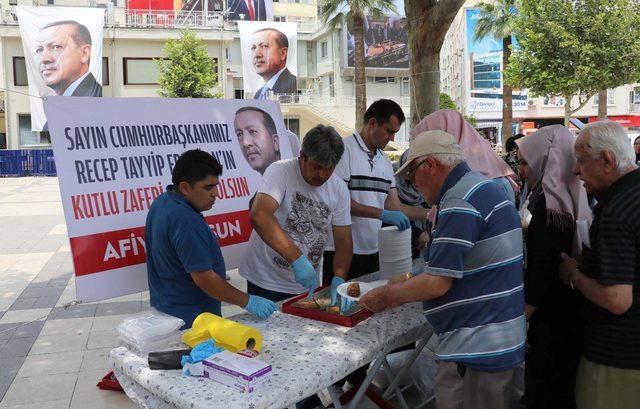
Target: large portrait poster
x=269, y=58
x=63, y=54
x=114, y=156
x=484, y=59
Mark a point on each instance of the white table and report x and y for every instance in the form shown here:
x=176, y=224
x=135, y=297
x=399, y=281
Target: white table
x=307, y=356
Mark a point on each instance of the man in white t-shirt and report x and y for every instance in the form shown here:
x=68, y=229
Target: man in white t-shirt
x=298, y=205
x=369, y=176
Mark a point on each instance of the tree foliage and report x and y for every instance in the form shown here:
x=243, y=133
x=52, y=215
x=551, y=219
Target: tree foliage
x=446, y=102
x=187, y=70
x=575, y=48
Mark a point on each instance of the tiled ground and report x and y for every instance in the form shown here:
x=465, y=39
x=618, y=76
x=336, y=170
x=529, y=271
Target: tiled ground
x=51, y=354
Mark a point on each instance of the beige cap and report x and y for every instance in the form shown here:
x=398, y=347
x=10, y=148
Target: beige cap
x=429, y=143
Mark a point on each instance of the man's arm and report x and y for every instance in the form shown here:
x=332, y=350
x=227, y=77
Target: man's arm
x=413, y=212
x=264, y=221
x=218, y=288
x=616, y=299
x=422, y=287
x=344, y=251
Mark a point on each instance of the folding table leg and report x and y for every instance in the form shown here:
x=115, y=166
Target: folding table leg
x=335, y=396
x=367, y=381
x=407, y=364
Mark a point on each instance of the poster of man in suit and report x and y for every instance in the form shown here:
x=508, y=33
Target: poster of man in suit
x=63, y=54
x=269, y=58
x=251, y=10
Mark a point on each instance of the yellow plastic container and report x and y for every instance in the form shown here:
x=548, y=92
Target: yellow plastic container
x=227, y=334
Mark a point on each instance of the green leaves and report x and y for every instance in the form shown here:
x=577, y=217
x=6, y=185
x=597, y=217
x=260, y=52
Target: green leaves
x=573, y=47
x=187, y=71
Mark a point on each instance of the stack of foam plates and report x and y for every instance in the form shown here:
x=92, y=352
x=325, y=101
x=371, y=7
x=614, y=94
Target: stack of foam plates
x=395, y=251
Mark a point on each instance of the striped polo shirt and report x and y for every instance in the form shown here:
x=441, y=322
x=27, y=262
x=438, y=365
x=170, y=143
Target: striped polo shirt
x=369, y=177
x=477, y=241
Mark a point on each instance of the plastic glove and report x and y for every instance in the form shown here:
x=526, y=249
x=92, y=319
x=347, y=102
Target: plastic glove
x=345, y=304
x=260, y=307
x=201, y=352
x=305, y=274
x=396, y=218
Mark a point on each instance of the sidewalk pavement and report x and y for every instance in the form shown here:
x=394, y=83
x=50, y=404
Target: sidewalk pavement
x=52, y=355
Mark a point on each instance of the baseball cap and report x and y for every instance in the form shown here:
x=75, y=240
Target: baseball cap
x=429, y=143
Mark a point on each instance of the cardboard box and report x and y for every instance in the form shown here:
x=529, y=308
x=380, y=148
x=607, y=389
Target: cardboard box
x=236, y=371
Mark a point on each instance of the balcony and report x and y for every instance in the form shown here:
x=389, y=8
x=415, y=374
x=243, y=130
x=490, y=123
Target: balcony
x=167, y=19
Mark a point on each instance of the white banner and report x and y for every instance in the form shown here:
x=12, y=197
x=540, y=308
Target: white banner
x=114, y=157
x=63, y=54
x=269, y=57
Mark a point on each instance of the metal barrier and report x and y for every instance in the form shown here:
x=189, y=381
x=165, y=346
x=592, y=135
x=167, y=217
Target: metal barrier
x=27, y=162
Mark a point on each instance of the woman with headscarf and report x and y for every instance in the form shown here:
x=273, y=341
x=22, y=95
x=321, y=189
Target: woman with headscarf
x=556, y=202
x=476, y=150
x=636, y=148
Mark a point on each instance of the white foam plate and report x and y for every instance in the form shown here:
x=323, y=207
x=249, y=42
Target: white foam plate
x=364, y=288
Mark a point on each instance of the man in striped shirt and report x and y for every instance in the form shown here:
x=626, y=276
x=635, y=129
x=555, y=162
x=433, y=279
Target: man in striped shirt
x=471, y=287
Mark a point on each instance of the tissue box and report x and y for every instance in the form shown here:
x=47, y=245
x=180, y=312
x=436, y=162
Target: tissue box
x=236, y=371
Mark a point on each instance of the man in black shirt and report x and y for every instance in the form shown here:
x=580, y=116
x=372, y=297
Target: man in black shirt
x=609, y=272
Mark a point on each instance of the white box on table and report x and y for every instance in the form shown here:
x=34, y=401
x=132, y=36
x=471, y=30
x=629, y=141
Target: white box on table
x=236, y=371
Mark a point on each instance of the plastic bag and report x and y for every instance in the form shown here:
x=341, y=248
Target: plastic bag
x=150, y=331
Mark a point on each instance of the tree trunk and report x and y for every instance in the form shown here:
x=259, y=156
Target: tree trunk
x=507, y=94
x=602, y=104
x=567, y=109
x=427, y=29
x=360, y=79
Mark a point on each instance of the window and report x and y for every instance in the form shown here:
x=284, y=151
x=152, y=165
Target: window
x=382, y=80
x=140, y=71
x=611, y=98
x=19, y=72
x=13, y=2
x=293, y=124
x=405, y=87
x=50, y=2
x=324, y=49
x=280, y=18
x=238, y=94
x=28, y=137
x=105, y=71
x=216, y=70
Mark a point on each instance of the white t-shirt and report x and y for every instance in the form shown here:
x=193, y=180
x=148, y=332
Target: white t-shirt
x=369, y=180
x=306, y=214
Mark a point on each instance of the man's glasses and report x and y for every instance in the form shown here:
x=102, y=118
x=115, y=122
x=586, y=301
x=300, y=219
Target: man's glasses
x=413, y=170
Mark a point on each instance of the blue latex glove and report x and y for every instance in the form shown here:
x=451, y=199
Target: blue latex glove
x=201, y=352
x=305, y=274
x=396, y=218
x=260, y=307
x=345, y=304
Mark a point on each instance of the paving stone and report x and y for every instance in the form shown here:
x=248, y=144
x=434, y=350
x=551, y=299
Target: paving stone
x=118, y=308
x=31, y=292
x=31, y=329
x=24, y=303
x=9, y=367
x=7, y=330
x=46, y=302
x=74, y=311
x=17, y=347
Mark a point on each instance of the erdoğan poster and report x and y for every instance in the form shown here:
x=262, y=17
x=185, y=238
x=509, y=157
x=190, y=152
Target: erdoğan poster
x=114, y=157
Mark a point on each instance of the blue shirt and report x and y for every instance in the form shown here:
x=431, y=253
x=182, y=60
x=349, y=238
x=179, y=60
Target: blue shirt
x=477, y=241
x=179, y=242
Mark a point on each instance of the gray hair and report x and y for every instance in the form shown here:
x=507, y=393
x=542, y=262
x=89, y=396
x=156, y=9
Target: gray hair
x=323, y=145
x=610, y=136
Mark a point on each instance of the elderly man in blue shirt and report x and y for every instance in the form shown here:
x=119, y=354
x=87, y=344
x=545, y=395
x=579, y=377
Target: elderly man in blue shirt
x=186, y=271
x=471, y=286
